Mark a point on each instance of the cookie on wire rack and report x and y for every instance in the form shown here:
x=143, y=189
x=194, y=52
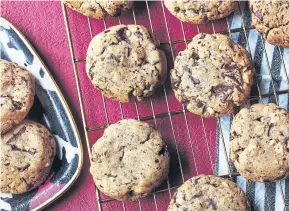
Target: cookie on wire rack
x=212, y=75
x=271, y=19
x=259, y=143
x=124, y=63
x=198, y=12
x=17, y=94
x=207, y=192
x=129, y=161
x=27, y=153
x=100, y=8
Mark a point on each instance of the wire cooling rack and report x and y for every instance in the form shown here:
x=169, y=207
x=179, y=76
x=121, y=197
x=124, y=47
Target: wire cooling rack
x=223, y=27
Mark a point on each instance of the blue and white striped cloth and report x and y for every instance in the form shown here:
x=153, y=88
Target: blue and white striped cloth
x=262, y=196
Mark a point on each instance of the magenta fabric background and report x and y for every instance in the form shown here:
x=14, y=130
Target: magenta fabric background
x=43, y=25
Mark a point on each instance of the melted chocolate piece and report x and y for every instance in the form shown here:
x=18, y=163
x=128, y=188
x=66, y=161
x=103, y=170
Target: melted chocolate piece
x=195, y=80
x=114, y=57
x=269, y=128
x=212, y=204
x=214, y=185
x=223, y=92
x=24, y=167
x=139, y=35
x=92, y=9
x=249, y=171
x=28, y=185
x=197, y=196
x=17, y=105
x=231, y=71
x=16, y=135
x=199, y=104
x=128, y=51
x=121, y=35
x=31, y=151
x=186, y=69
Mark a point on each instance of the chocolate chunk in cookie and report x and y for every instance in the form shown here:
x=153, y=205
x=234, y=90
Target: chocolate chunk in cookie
x=198, y=12
x=16, y=93
x=124, y=62
x=27, y=153
x=209, y=193
x=100, y=8
x=212, y=75
x=129, y=160
x=260, y=142
x=271, y=19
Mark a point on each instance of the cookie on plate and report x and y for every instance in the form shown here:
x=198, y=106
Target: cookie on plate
x=124, y=62
x=212, y=75
x=129, y=160
x=209, y=193
x=271, y=19
x=198, y=12
x=259, y=143
x=17, y=94
x=100, y=8
x=27, y=153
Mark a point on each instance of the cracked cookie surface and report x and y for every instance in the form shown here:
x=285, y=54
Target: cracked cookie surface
x=129, y=160
x=17, y=94
x=100, y=8
x=207, y=192
x=260, y=142
x=212, y=75
x=271, y=19
x=27, y=153
x=124, y=62
x=198, y=12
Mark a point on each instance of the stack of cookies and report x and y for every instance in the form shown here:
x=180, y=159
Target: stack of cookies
x=210, y=77
x=27, y=148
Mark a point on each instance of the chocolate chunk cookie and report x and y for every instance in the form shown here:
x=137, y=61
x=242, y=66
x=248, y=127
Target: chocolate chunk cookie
x=198, y=12
x=124, y=62
x=17, y=94
x=260, y=142
x=271, y=19
x=100, y=8
x=212, y=75
x=27, y=153
x=209, y=193
x=129, y=160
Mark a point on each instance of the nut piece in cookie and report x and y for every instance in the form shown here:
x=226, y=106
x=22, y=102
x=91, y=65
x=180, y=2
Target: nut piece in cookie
x=271, y=19
x=124, y=62
x=100, y=8
x=259, y=143
x=27, y=153
x=17, y=94
x=198, y=12
x=129, y=161
x=212, y=75
x=209, y=193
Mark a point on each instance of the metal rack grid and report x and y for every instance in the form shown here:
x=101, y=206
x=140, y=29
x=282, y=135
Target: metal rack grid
x=170, y=113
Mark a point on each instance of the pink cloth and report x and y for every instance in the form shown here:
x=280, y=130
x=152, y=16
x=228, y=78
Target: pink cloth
x=43, y=25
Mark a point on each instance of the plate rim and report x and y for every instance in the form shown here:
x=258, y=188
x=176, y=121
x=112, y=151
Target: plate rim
x=68, y=185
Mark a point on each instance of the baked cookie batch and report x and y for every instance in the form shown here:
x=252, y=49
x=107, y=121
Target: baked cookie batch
x=27, y=148
x=211, y=76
